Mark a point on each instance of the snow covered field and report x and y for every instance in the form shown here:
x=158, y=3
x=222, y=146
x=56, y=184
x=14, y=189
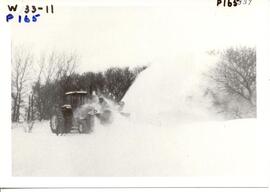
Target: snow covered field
x=127, y=148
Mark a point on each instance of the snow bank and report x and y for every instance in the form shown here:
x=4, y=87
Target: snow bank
x=126, y=148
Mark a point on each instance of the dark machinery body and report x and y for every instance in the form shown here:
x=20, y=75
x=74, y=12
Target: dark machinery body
x=76, y=115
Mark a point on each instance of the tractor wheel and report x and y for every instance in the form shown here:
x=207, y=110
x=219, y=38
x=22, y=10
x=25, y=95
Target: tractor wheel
x=80, y=128
x=56, y=124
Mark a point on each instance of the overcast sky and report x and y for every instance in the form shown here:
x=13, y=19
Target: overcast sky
x=137, y=35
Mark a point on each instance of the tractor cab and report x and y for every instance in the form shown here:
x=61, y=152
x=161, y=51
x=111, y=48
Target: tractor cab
x=75, y=99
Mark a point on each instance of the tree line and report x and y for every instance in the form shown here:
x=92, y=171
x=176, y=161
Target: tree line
x=38, y=84
x=35, y=90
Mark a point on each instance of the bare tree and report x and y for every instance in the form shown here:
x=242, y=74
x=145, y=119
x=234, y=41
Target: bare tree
x=21, y=64
x=235, y=77
x=55, y=77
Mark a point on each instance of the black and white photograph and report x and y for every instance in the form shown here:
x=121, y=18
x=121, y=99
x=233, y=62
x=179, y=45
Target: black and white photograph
x=134, y=91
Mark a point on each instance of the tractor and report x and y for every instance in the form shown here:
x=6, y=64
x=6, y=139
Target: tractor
x=78, y=113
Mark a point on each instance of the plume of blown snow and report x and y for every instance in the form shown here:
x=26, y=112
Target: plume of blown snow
x=172, y=89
